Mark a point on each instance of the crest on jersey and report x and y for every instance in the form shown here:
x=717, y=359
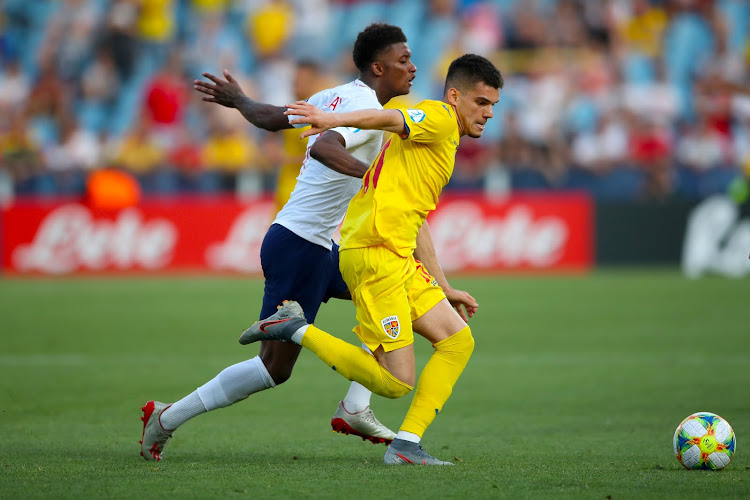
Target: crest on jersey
x=391, y=326
x=416, y=115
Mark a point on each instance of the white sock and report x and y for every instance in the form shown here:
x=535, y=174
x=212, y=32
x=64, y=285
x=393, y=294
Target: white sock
x=358, y=397
x=408, y=436
x=180, y=412
x=231, y=385
x=235, y=383
x=297, y=336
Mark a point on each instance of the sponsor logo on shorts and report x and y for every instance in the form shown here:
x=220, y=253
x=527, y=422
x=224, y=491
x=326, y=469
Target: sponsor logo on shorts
x=391, y=326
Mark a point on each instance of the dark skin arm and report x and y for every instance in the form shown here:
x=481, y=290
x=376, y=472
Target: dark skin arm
x=330, y=150
x=229, y=94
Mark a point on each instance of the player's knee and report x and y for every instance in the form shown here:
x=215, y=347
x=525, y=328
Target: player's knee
x=397, y=391
x=393, y=388
x=469, y=341
x=280, y=370
x=459, y=344
x=280, y=374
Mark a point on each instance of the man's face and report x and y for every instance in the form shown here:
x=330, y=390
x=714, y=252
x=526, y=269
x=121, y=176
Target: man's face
x=474, y=108
x=398, y=70
x=305, y=82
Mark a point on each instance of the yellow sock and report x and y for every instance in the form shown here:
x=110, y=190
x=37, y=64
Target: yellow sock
x=437, y=380
x=353, y=363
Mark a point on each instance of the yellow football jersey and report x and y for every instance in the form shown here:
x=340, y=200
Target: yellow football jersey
x=294, y=151
x=404, y=182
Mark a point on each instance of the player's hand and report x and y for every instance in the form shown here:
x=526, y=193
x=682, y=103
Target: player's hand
x=465, y=305
x=306, y=113
x=225, y=92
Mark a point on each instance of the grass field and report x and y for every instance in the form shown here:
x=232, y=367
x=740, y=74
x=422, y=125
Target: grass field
x=574, y=391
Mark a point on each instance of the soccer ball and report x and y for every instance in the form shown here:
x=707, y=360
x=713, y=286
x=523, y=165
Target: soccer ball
x=704, y=441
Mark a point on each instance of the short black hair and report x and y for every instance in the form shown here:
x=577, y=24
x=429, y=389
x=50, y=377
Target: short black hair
x=470, y=69
x=372, y=41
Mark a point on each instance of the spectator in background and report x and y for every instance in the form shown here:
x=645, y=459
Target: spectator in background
x=14, y=87
x=288, y=153
x=70, y=36
x=19, y=154
x=155, y=28
x=269, y=28
x=140, y=153
x=513, y=150
x=650, y=149
x=99, y=89
x=187, y=159
x=606, y=147
x=166, y=97
x=701, y=147
x=227, y=151
x=569, y=62
x=213, y=47
x=120, y=36
x=48, y=103
x=641, y=30
x=312, y=36
x=69, y=159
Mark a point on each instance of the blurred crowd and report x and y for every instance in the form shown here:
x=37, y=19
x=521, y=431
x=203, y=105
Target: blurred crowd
x=617, y=97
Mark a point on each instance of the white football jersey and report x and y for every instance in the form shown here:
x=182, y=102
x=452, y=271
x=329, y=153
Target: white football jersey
x=320, y=198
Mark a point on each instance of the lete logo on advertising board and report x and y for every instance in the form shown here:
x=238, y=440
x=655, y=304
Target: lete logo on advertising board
x=532, y=232
x=539, y=232
x=69, y=237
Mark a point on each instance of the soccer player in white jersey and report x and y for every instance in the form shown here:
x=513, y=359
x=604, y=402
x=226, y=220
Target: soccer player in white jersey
x=298, y=256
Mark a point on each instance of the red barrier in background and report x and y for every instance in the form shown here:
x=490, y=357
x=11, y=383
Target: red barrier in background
x=186, y=234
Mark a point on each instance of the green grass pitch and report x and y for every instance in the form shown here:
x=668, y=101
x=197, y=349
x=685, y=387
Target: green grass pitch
x=574, y=391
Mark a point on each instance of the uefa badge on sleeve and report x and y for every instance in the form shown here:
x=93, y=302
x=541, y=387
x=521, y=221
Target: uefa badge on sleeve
x=416, y=115
x=391, y=326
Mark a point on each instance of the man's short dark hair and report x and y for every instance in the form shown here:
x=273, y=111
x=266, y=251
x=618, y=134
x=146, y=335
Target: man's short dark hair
x=372, y=41
x=470, y=69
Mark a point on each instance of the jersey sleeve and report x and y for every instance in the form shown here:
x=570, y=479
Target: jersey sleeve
x=428, y=123
x=317, y=100
x=353, y=136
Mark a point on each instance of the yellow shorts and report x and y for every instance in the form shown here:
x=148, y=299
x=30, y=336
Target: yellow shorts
x=389, y=292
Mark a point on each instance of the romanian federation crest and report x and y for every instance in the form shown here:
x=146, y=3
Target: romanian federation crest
x=391, y=326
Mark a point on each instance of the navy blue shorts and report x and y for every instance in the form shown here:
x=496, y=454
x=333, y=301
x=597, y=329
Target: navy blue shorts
x=296, y=269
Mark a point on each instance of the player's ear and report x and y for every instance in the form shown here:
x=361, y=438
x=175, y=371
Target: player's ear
x=452, y=95
x=377, y=68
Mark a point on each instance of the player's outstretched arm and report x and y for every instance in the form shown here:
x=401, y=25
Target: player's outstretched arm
x=463, y=302
x=330, y=150
x=389, y=120
x=229, y=94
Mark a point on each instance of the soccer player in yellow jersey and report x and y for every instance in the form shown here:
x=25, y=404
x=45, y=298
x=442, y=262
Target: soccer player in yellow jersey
x=306, y=83
x=383, y=231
